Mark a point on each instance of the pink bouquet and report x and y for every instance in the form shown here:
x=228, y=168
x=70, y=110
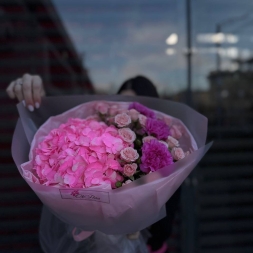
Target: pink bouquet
x=112, y=147
x=105, y=165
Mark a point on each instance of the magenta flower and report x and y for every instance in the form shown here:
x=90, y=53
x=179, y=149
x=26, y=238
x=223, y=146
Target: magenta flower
x=142, y=109
x=157, y=128
x=155, y=156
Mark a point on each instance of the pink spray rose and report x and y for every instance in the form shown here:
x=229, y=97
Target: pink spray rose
x=129, y=154
x=133, y=114
x=129, y=169
x=102, y=107
x=122, y=120
x=165, y=143
x=178, y=153
x=142, y=120
x=172, y=142
x=127, y=182
x=148, y=139
x=127, y=135
x=113, y=110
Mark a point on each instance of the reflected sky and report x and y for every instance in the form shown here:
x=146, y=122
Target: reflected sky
x=120, y=39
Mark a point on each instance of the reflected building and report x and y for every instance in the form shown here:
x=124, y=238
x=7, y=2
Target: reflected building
x=32, y=40
x=231, y=93
x=229, y=98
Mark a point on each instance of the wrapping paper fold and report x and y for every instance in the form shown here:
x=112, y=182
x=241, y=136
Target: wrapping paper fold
x=124, y=210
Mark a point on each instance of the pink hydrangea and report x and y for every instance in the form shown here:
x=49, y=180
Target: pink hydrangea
x=112, y=144
x=155, y=156
x=157, y=128
x=122, y=120
x=80, y=153
x=114, y=177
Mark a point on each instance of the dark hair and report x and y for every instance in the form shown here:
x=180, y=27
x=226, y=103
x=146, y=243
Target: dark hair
x=141, y=85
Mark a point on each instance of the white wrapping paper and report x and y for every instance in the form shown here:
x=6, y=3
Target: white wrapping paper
x=130, y=208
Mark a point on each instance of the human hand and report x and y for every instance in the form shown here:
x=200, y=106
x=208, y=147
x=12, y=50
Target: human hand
x=28, y=88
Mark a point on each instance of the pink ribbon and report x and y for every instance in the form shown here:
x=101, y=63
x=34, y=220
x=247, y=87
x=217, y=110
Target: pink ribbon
x=78, y=237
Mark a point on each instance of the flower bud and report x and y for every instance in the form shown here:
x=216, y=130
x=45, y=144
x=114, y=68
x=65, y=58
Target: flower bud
x=118, y=184
x=138, y=143
x=138, y=161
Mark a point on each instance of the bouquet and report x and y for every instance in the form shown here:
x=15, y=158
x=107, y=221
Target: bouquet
x=105, y=165
x=112, y=147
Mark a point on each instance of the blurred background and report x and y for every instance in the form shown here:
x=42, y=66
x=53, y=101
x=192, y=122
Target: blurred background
x=198, y=52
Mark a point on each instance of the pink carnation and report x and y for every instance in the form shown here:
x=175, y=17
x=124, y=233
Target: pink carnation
x=178, y=153
x=155, y=156
x=127, y=135
x=129, y=169
x=129, y=154
x=142, y=109
x=157, y=128
x=122, y=120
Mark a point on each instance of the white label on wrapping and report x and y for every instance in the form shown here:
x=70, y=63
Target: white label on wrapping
x=79, y=194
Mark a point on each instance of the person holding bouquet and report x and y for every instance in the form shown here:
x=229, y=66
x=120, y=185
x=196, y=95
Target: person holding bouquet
x=30, y=89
